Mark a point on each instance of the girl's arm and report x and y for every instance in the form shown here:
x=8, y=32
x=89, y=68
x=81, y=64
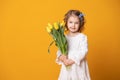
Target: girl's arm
x=61, y=58
x=82, y=51
x=57, y=58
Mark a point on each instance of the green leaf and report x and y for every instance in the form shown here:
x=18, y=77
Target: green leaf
x=50, y=46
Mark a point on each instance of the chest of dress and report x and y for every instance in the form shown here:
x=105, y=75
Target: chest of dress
x=74, y=44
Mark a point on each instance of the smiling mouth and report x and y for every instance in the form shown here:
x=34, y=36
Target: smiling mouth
x=72, y=28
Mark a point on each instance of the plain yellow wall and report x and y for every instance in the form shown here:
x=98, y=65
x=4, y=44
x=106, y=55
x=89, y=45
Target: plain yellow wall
x=24, y=40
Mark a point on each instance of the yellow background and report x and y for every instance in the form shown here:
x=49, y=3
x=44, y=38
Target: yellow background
x=24, y=40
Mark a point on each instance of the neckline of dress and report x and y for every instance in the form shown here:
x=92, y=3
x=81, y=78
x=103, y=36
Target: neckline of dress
x=74, y=35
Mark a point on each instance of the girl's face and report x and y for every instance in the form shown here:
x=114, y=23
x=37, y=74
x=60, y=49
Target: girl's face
x=73, y=24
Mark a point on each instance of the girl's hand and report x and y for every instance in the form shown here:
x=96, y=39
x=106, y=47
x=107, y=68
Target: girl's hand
x=62, y=58
x=68, y=62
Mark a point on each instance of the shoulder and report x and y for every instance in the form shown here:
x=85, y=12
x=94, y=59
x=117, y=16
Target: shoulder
x=83, y=36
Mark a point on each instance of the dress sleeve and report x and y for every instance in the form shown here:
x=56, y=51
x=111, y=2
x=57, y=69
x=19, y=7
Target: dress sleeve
x=58, y=54
x=82, y=50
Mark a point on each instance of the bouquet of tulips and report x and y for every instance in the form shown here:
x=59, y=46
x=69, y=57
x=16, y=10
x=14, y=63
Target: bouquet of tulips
x=57, y=30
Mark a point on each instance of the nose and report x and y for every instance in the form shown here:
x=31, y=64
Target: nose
x=73, y=24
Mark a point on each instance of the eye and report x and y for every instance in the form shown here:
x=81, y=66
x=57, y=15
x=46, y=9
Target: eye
x=70, y=21
x=76, y=22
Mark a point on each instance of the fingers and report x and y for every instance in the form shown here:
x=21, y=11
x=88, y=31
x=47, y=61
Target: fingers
x=65, y=60
x=62, y=57
x=68, y=62
x=71, y=62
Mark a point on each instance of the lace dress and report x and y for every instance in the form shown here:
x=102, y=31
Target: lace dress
x=77, y=51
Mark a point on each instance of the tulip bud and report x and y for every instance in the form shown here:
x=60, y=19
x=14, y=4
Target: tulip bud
x=56, y=26
x=62, y=23
x=50, y=26
x=48, y=29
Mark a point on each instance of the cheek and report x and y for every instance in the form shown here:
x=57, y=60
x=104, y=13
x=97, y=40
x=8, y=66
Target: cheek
x=68, y=25
x=77, y=27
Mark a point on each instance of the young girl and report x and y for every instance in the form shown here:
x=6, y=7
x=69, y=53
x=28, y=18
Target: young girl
x=77, y=49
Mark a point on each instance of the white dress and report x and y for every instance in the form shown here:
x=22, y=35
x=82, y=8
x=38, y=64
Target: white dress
x=77, y=50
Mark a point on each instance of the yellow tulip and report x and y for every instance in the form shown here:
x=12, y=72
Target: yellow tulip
x=62, y=23
x=50, y=26
x=56, y=26
x=48, y=29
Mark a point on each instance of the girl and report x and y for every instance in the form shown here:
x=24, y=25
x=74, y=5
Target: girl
x=77, y=49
